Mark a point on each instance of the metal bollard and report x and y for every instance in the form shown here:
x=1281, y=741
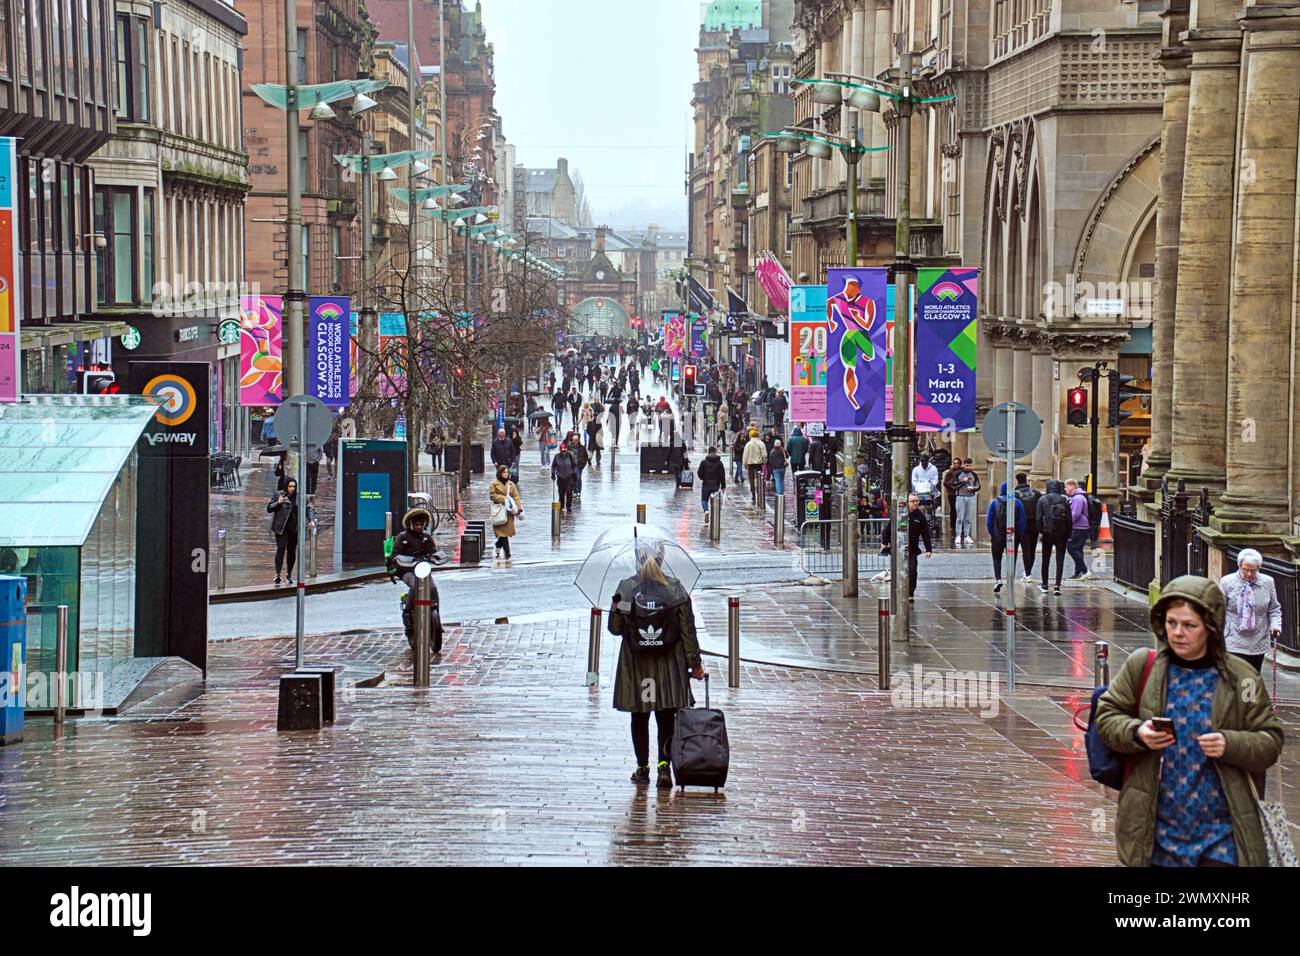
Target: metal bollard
x=420, y=618
x=60, y=662
x=882, y=641
x=640, y=514
x=1100, y=663
x=760, y=488
x=388, y=525
x=733, y=642
x=715, y=516
x=593, y=649
x=312, y=565
x=613, y=458
x=555, y=520
x=221, y=555
x=778, y=521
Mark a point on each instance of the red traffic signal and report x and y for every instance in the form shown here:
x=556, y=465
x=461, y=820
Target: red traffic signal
x=99, y=382
x=688, y=378
x=1077, y=406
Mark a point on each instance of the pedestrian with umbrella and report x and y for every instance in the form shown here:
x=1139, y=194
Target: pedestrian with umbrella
x=645, y=579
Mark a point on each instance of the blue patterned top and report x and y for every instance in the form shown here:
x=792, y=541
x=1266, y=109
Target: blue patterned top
x=1192, y=816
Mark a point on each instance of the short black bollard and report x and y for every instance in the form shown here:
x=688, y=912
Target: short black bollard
x=329, y=679
x=301, y=705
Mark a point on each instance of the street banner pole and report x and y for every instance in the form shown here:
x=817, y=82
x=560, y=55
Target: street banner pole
x=302, y=530
x=1009, y=559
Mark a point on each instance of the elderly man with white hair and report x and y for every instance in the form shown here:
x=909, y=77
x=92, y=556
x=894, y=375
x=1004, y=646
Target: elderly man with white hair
x=1254, y=614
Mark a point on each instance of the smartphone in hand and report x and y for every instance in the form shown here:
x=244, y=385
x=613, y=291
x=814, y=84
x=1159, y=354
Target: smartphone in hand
x=1163, y=725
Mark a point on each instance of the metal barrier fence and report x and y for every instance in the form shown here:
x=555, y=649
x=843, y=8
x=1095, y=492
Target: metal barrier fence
x=442, y=489
x=821, y=555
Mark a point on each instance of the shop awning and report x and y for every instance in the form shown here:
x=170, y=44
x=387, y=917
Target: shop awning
x=59, y=457
x=65, y=333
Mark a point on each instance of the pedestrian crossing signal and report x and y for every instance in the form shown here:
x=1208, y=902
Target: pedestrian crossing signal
x=99, y=382
x=688, y=380
x=1077, y=406
x=1121, y=393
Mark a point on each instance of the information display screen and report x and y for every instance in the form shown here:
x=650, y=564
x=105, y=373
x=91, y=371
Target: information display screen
x=372, y=500
x=372, y=482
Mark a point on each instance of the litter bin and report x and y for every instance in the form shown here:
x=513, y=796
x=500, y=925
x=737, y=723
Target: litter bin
x=13, y=656
x=805, y=506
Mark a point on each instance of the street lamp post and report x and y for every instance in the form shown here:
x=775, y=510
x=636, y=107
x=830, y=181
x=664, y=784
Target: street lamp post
x=864, y=93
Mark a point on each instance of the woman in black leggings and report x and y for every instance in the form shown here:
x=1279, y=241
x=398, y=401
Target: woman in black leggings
x=283, y=509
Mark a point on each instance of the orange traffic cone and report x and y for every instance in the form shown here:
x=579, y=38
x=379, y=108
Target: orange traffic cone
x=1104, y=534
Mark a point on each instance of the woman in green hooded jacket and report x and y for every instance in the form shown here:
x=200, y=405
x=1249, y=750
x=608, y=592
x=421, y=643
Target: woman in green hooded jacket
x=1187, y=799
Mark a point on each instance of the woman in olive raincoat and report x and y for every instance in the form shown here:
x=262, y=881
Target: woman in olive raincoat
x=648, y=608
x=1187, y=798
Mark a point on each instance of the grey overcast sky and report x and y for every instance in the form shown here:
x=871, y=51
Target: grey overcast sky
x=606, y=84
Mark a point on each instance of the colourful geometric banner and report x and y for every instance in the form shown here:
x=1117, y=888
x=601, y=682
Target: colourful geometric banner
x=327, y=361
x=947, y=301
x=808, y=353
x=674, y=334
x=260, y=357
x=11, y=356
x=774, y=281
x=699, y=336
x=855, y=370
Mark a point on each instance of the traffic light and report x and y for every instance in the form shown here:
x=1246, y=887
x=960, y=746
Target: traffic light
x=1077, y=406
x=99, y=382
x=1121, y=392
x=688, y=380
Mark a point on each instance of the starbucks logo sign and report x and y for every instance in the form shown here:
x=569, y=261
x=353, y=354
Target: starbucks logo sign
x=130, y=339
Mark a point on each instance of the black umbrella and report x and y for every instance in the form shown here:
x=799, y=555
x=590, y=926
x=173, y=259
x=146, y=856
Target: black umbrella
x=538, y=416
x=273, y=450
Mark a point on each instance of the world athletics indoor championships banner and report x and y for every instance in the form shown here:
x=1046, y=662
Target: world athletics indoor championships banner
x=808, y=353
x=674, y=335
x=855, y=349
x=260, y=370
x=328, y=344
x=947, y=303
x=699, y=336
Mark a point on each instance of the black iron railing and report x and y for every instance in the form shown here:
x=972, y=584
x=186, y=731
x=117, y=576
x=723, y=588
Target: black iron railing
x=1135, y=550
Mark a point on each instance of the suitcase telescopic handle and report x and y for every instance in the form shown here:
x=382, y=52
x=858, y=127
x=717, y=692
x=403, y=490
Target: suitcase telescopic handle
x=706, y=692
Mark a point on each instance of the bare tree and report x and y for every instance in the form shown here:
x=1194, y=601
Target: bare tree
x=581, y=205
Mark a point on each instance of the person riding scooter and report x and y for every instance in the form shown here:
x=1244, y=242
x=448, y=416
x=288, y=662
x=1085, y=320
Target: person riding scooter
x=411, y=546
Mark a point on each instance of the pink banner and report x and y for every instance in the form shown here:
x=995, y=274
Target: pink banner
x=674, y=335
x=260, y=371
x=8, y=367
x=774, y=281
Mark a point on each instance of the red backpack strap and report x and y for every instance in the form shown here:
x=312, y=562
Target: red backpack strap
x=1146, y=672
x=1142, y=685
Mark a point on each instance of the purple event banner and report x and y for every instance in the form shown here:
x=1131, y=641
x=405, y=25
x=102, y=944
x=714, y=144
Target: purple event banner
x=947, y=303
x=328, y=342
x=855, y=349
x=699, y=327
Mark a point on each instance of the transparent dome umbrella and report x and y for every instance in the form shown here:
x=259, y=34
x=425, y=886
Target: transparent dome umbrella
x=621, y=554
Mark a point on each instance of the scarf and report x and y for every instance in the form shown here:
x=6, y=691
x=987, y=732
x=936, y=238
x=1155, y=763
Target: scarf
x=1246, y=606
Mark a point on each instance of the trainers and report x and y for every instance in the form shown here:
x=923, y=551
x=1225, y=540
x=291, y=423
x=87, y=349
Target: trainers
x=1043, y=588
x=665, y=781
x=1085, y=576
x=1057, y=592
x=641, y=776
x=277, y=579
x=997, y=587
x=1078, y=575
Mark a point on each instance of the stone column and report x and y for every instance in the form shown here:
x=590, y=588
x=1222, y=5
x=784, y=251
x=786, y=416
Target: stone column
x=882, y=60
x=1205, y=238
x=1003, y=370
x=1263, y=276
x=1043, y=397
x=1173, y=142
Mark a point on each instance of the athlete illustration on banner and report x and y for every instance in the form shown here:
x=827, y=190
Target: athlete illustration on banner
x=857, y=314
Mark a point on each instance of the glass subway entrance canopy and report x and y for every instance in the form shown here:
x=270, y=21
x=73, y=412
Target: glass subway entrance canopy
x=68, y=473
x=599, y=316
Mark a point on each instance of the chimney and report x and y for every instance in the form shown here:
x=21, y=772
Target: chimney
x=600, y=237
x=562, y=166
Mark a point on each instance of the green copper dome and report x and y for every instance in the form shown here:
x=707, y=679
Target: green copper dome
x=726, y=15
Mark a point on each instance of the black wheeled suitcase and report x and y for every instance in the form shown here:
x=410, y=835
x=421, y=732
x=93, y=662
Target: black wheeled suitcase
x=700, y=751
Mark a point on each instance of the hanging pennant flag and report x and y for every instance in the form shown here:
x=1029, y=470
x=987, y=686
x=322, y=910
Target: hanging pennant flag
x=947, y=301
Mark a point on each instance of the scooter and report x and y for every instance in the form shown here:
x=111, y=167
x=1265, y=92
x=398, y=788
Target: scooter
x=407, y=564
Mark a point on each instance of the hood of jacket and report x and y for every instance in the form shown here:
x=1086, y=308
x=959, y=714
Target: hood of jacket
x=1002, y=491
x=410, y=515
x=798, y=431
x=1205, y=596
x=1055, y=487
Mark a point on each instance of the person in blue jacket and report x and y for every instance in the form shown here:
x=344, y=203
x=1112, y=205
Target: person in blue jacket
x=996, y=523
